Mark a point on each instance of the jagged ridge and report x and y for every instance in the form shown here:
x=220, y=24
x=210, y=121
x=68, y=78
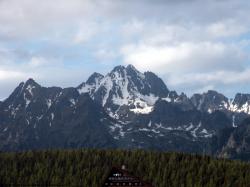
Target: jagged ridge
x=124, y=108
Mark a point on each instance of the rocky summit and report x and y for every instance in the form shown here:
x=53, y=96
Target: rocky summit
x=125, y=109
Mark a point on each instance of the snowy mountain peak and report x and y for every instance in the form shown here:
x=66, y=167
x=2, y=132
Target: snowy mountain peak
x=118, y=69
x=210, y=101
x=29, y=87
x=240, y=104
x=25, y=90
x=132, y=70
x=31, y=82
x=123, y=104
x=127, y=87
x=157, y=86
x=240, y=99
x=94, y=78
x=130, y=66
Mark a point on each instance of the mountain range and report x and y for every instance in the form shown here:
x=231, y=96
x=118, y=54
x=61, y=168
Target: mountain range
x=125, y=109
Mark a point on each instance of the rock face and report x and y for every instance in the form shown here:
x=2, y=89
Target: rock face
x=236, y=144
x=210, y=101
x=34, y=117
x=122, y=109
x=125, y=92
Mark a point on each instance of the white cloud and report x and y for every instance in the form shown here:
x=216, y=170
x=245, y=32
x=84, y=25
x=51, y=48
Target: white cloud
x=217, y=77
x=9, y=79
x=193, y=66
x=192, y=44
x=105, y=54
x=28, y=19
x=228, y=82
x=132, y=27
x=37, y=62
x=226, y=28
x=6, y=74
x=184, y=57
x=86, y=32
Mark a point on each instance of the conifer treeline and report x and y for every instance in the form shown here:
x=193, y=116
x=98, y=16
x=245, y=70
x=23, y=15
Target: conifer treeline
x=90, y=168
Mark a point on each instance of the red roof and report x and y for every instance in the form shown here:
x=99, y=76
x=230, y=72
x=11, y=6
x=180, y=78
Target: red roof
x=120, y=177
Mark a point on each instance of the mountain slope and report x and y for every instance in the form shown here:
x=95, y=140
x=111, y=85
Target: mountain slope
x=237, y=143
x=125, y=88
x=34, y=117
x=122, y=109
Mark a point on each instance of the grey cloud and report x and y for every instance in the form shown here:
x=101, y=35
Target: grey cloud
x=27, y=18
x=200, y=36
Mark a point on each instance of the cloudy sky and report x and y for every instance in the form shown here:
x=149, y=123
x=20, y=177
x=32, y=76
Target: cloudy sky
x=193, y=45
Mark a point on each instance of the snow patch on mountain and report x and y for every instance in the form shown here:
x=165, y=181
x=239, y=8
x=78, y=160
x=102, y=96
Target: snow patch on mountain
x=112, y=115
x=205, y=133
x=27, y=100
x=168, y=99
x=122, y=84
x=85, y=88
x=39, y=117
x=119, y=128
x=245, y=108
x=233, y=121
x=108, y=84
x=150, y=99
x=194, y=132
x=73, y=102
x=191, y=126
x=30, y=88
x=48, y=102
x=119, y=88
x=141, y=107
x=52, y=116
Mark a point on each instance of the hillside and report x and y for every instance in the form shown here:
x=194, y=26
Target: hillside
x=90, y=168
x=125, y=109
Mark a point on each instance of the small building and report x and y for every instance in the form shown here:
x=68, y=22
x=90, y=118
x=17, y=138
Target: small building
x=121, y=177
